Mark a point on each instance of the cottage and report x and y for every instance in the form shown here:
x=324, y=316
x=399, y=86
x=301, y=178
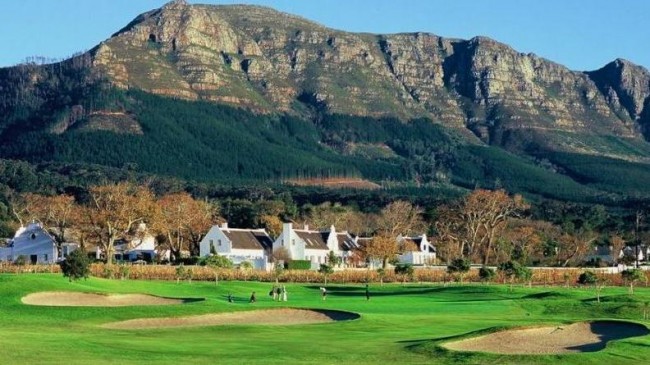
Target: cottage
x=416, y=250
x=143, y=248
x=306, y=244
x=35, y=244
x=239, y=245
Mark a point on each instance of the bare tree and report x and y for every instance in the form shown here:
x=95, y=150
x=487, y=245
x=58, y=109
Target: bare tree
x=400, y=217
x=57, y=214
x=382, y=247
x=115, y=211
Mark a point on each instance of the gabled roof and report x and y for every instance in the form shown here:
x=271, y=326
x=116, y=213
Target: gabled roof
x=314, y=240
x=248, y=239
x=417, y=242
x=30, y=235
x=346, y=242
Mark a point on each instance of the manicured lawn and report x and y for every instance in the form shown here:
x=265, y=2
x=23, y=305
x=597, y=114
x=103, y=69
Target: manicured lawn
x=400, y=324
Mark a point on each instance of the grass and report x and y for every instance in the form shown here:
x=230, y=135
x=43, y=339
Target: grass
x=401, y=324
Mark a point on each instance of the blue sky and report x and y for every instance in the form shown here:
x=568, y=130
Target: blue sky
x=581, y=34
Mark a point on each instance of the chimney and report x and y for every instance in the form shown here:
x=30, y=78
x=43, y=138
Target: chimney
x=224, y=225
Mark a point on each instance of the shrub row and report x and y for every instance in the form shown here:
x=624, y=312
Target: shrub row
x=551, y=276
x=26, y=269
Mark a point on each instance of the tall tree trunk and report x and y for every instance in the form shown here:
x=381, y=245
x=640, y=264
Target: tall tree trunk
x=110, y=250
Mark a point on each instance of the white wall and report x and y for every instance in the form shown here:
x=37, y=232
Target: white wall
x=215, y=235
x=31, y=241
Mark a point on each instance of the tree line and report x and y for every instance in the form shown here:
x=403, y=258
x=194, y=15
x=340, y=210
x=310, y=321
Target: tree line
x=488, y=227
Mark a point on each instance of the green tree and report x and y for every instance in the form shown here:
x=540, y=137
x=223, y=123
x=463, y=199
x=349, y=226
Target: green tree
x=332, y=259
x=486, y=274
x=381, y=273
x=76, y=265
x=326, y=270
x=590, y=278
x=459, y=266
x=587, y=278
x=513, y=270
x=405, y=270
x=218, y=262
x=245, y=265
x=632, y=276
x=184, y=273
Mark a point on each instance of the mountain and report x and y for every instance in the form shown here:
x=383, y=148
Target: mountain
x=335, y=102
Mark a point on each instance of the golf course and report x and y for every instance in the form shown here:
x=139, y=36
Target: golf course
x=45, y=319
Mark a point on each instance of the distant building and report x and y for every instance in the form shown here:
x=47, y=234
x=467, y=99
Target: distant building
x=306, y=244
x=239, y=245
x=416, y=250
x=36, y=245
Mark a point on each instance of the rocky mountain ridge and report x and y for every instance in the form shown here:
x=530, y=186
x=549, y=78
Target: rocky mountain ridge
x=275, y=62
x=338, y=103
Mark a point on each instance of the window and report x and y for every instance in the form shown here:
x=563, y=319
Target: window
x=33, y=236
x=211, y=242
x=219, y=242
x=293, y=242
x=45, y=257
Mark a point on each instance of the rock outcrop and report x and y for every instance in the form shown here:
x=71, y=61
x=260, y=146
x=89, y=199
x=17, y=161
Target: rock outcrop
x=268, y=61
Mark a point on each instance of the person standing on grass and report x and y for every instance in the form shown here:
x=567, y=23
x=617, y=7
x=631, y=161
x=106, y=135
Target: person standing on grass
x=274, y=293
x=284, y=293
x=253, y=298
x=278, y=293
x=367, y=292
x=323, y=292
x=230, y=298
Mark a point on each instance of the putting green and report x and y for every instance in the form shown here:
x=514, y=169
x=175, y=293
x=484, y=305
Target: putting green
x=399, y=324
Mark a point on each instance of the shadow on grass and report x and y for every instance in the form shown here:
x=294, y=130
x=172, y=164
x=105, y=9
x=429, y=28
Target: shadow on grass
x=360, y=291
x=611, y=331
x=606, y=331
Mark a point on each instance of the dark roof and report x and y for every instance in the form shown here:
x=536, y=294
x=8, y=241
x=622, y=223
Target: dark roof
x=363, y=241
x=248, y=239
x=346, y=242
x=313, y=239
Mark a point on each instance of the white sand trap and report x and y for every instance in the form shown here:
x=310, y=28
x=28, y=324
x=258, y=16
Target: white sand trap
x=285, y=316
x=577, y=337
x=73, y=299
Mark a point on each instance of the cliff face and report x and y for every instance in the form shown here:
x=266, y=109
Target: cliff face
x=269, y=61
x=626, y=88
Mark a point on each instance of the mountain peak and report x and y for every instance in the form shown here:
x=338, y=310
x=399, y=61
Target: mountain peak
x=175, y=4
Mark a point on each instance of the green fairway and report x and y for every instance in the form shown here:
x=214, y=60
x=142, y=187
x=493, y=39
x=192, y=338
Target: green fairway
x=399, y=324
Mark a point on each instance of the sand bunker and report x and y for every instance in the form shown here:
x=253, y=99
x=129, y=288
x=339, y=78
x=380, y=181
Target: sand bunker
x=73, y=299
x=577, y=337
x=285, y=316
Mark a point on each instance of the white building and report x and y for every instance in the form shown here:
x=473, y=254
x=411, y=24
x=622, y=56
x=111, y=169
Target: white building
x=416, y=250
x=239, y=245
x=315, y=246
x=137, y=249
x=35, y=244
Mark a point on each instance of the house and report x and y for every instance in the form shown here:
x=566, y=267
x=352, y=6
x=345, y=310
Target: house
x=143, y=248
x=306, y=244
x=603, y=254
x=416, y=250
x=348, y=248
x=641, y=252
x=35, y=244
x=239, y=245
